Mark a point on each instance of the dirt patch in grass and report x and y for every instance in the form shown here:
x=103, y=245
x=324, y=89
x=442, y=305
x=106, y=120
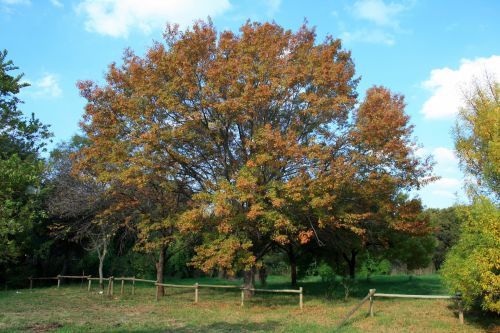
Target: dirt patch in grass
x=40, y=328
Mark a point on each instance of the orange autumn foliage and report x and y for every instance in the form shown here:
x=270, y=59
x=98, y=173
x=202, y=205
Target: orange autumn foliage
x=250, y=138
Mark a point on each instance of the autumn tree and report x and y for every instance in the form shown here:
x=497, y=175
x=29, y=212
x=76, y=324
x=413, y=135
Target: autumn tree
x=238, y=118
x=363, y=199
x=253, y=140
x=477, y=136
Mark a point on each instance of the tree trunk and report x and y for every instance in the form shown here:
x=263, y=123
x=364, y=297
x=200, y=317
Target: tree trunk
x=351, y=262
x=293, y=273
x=293, y=266
x=221, y=274
x=159, y=269
x=249, y=281
x=101, y=275
x=101, y=254
x=263, y=276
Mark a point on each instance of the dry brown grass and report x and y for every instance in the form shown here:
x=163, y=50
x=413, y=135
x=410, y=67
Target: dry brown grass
x=72, y=309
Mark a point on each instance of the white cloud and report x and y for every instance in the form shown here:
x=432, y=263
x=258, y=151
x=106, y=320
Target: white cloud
x=57, y=3
x=446, y=159
x=368, y=36
x=443, y=192
x=272, y=7
x=446, y=194
x=447, y=85
x=448, y=183
x=47, y=86
x=383, y=21
x=379, y=12
x=117, y=17
x=448, y=189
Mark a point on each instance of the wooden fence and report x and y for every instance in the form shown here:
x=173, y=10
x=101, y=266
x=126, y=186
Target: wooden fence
x=372, y=294
x=195, y=287
x=457, y=298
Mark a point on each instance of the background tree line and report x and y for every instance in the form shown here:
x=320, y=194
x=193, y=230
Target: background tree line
x=230, y=154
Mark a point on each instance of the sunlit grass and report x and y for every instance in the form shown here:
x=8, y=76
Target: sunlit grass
x=72, y=309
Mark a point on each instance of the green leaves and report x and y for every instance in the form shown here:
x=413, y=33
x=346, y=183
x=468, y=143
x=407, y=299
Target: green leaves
x=473, y=264
x=20, y=204
x=477, y=137
x=17, y=135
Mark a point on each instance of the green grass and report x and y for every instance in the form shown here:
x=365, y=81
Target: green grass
x=72, y=309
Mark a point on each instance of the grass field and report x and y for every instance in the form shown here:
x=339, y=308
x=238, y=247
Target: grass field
x=72, y=309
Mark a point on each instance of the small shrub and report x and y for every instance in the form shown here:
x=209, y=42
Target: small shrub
x=349, y=285
x=328, y=277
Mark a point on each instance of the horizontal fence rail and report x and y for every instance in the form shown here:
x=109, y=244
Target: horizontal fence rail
x=220, y=286
x=289, y=291
x=457, y=298
x=415, y=296
x=196, y=286
x=74, y=276
x=144, y=280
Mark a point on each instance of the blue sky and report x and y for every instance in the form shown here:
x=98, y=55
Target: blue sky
x=427, y=50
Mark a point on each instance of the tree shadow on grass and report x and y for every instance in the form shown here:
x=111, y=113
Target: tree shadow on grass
x=268, y=326
x=487, y=321
x=417, y=285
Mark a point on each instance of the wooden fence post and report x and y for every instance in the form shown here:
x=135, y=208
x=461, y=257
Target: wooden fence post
x=157, y=292
x=108, y=292
x=301, y=298
x=372, y=298
x=121, y=289
x=460, y=307
x=133, y=285
x=242, y=296
x=112, y=286
x=355, y=308
x=196, y=292
x=31, y=282
x=90, y=283
x=58, y=281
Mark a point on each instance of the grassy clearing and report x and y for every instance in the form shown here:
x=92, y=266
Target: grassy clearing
x=72, y=309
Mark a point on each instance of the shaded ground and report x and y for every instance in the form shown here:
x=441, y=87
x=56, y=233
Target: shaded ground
x=72, y=309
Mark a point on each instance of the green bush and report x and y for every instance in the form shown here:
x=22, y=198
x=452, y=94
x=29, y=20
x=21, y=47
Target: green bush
x=373, y=266
x=472, y=267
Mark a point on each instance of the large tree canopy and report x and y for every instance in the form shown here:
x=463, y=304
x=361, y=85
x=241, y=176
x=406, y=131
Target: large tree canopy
x=20, y=168
x=261, y=127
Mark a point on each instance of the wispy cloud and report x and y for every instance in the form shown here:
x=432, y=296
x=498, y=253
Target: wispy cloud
x=448, y=189
x=272, y=7
x=446, y=160
x=57, y=3
x=379, y=12
x=117, y=18
x=47, y=86
x=368, y=36
x=447, y=85
x=379, y=21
